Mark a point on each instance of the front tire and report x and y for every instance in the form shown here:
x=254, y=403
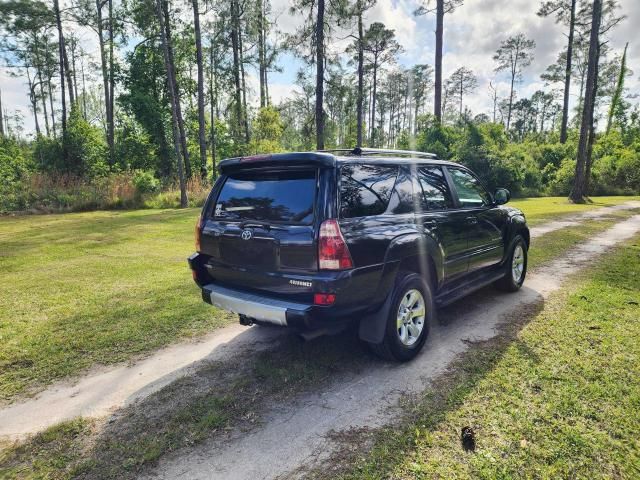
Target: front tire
x=515, y=267
x=411, y=313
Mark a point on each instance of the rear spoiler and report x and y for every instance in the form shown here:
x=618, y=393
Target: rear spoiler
x=278, y=159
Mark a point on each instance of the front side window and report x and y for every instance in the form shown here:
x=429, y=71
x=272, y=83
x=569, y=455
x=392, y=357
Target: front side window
x=365, y=189
x=470, y=192
x=286, y=197
x=434, y=190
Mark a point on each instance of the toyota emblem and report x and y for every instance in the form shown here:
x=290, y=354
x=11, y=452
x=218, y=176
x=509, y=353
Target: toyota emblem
x=246, y=234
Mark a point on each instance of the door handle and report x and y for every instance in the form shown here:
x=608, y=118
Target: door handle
x=472, y=220
x=431, y=224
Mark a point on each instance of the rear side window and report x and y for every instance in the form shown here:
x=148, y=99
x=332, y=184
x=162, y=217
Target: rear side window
x=365, y=189
x=435, y=194
x=268, y=196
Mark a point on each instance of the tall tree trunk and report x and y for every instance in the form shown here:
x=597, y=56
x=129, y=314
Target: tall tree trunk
x=461, y=92
x=201, y=124
x=84, y=90
x=43, y=100
x=245, y=116
x=320, y=76
x=370, y=118
x=34, y=103
x=74, y=79
x=105, y=78
x=513, y=79
x=235, y=42
x=579, y=187
x=373, y=102
x=174, y=100
x=360, y=75
x=53, y=112
x=1, y=117
x=592, y=128
x=617, y=93
x=437, y=94
x=111, y=123
x=567, y=75
x=68, y=74
x=56, y=9
x=262, y=58
x=212, y=102
x=174, y=81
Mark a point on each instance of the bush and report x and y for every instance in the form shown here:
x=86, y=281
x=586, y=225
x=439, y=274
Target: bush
x=14, y=171
x=145, y=182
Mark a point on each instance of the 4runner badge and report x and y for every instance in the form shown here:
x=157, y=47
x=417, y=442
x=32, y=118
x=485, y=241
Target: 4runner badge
x=246, y=234
x=300, y=283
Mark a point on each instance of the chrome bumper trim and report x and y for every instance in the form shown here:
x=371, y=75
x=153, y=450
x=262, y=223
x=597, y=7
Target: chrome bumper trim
x=254, y=306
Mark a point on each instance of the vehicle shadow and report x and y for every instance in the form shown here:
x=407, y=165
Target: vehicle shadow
x=265, y=373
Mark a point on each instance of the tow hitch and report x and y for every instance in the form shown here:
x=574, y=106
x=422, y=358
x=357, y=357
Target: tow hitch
x=246, y=321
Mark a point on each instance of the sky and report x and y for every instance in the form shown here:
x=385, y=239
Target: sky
x=472, y=33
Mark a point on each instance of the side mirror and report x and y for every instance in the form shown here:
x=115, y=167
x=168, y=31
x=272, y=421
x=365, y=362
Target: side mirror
x=502, y=196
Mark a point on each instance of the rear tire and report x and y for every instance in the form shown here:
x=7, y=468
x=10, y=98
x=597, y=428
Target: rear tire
x=411, y=313
x=515, y=268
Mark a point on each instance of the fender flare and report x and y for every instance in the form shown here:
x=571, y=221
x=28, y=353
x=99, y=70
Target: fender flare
x=405, y=248
x=517, y=226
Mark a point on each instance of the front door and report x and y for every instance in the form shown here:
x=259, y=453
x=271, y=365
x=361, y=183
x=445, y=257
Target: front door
x=439, y=219
x=485, y=222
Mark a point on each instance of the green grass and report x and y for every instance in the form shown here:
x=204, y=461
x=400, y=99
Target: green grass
x=82, y=289
x=557, y=399
x=538, y=210
x=97, y=288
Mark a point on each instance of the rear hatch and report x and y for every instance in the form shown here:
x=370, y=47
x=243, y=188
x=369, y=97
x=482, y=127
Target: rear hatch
x=259, y=230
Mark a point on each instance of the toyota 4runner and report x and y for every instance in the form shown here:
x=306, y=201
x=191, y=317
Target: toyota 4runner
x=312, y=241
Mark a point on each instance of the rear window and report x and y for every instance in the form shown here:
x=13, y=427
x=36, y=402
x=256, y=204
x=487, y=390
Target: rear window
x=365, y=189
x=286, y=197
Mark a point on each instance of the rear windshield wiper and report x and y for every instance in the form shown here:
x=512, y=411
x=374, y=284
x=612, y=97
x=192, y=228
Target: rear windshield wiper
x=265, y=225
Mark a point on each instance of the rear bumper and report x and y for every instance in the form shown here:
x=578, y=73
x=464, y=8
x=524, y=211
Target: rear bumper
x=355, y=297
x=257, y=307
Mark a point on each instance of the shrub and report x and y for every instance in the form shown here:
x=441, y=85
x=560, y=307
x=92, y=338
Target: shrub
x=145, y=182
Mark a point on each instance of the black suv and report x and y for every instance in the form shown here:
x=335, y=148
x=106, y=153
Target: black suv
x=314, y=240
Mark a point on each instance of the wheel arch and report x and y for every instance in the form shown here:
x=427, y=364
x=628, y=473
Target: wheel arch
x=414, y=253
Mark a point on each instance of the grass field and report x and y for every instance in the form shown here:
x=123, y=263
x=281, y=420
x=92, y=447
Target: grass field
x=558, y=399
x=83, y=289
x=512, y=388
x=538, y=210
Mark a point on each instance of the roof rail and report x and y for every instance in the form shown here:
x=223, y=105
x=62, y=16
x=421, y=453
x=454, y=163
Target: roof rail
x=380, y=151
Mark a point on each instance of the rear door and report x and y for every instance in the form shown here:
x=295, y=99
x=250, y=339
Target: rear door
x=262, y=225
x=436, y=213
x=485, y=222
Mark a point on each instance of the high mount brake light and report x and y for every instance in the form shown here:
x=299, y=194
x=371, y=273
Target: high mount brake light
x=198, y=233
x=333, y=253
x=255, y=158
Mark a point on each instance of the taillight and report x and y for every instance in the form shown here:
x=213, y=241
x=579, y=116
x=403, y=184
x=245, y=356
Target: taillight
x=198, y=233
x=333, y=253
x=324, y=298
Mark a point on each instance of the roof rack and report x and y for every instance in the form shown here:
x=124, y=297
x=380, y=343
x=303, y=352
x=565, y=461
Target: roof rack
x=380, y=151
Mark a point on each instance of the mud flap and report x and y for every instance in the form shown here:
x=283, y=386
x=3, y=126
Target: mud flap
x=372, y=326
